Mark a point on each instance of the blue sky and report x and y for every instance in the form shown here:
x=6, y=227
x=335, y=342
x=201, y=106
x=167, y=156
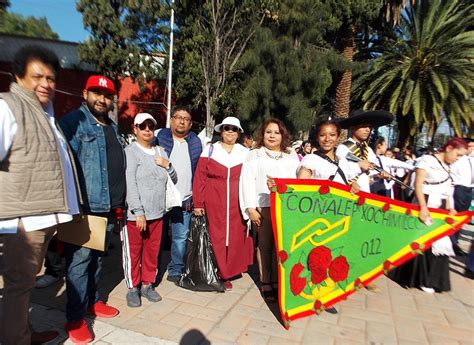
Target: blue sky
x=62, y=16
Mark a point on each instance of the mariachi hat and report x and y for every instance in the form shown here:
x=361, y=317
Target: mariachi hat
x=99, y=82
x=375, y=118
x=230, y=120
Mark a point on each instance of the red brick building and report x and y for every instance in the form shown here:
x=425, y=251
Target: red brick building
x=72, y=79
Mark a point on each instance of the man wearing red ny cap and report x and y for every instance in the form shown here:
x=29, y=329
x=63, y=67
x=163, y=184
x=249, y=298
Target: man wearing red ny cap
x=98, y=152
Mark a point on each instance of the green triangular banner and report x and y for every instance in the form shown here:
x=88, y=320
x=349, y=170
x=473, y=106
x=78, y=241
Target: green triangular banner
x=330, y=243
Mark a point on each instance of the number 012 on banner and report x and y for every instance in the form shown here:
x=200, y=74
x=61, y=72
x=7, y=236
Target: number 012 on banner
x=330, y=243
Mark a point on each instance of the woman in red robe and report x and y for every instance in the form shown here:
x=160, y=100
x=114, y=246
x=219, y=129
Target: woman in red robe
x=216, y=194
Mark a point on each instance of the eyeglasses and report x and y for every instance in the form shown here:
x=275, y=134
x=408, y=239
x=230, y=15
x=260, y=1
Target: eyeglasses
x=142, y=126
x=181, y=118
x=230, y=128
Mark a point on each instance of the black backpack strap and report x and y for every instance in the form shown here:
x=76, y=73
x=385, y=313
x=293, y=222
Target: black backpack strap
x=336, y=163
x=447, y=171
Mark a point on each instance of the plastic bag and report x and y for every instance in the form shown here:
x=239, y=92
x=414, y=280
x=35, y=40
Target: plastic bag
x=200, y=268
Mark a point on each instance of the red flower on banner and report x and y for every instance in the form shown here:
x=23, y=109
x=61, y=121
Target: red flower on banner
x=449, y=220
x=415, y=245
x=297, y=283
x=408, y=212
x=282, y=188
x=319, y=258
x=318, y=275
x=386, y=207
x=357, y=283
x=324, y=189
x=361, y=201
x=283, y=256
x=387, y=265
x=317, y=305
x=339, y=269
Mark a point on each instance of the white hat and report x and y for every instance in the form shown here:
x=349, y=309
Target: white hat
x=140, y=118
x=233, y=121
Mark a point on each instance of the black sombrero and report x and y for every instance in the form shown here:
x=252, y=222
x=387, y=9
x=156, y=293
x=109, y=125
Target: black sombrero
x=376, y=118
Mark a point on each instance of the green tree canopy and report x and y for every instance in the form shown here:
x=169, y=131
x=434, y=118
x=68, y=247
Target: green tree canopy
x=12, y=23
x=127, y=37
x=285, y=71
x=428, y=70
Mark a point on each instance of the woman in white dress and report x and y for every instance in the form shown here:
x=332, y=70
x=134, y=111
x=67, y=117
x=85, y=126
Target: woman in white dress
x=271, y=158
x=433, y=188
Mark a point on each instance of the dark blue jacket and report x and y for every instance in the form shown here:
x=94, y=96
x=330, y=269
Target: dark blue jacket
x=87, y=141
x=165, y=140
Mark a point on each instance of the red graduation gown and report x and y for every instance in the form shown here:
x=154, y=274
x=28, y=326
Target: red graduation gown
x=216, y=189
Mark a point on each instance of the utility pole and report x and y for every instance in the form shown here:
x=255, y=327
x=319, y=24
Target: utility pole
x=170, y=68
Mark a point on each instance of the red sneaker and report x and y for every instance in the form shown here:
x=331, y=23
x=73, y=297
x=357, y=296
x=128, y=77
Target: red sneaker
x=78, y=332
x=102, y=310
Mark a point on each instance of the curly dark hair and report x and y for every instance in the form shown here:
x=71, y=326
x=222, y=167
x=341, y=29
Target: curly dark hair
x=30, y=53
x=325, y=121
x=285, y=136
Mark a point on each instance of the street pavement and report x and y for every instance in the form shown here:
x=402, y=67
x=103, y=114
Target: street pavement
x=392, y=316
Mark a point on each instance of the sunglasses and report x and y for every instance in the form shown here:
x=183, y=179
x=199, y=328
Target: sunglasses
x=230, y=128
x=142, y=126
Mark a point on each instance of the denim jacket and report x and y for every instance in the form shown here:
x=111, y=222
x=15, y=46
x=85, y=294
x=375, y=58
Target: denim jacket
x=86, y=138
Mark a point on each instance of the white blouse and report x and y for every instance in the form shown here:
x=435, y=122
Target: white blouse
x=435, y=172
x=321, y=169
x=260, y=163
x=463, y=171
x=393, y=166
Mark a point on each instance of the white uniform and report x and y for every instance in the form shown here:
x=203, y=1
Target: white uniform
x=322, y=169
x=364, y=179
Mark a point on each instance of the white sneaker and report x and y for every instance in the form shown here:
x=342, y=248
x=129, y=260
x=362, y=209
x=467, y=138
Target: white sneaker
x=427, y=289
x=45, y=281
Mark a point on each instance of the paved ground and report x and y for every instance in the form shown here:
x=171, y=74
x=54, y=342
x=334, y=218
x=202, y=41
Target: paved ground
x=392, y=316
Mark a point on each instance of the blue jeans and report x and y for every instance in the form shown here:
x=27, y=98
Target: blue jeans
x=83, y=266
x=179, y=219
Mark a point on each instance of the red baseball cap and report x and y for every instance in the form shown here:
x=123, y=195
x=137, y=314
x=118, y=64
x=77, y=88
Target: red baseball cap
x=100, y=82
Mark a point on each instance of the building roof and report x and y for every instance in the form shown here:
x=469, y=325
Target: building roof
x=66, y=51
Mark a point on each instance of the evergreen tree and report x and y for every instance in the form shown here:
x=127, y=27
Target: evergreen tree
x=127, y=37
x=286, y=70
x=12, y=23
x=427, y=70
